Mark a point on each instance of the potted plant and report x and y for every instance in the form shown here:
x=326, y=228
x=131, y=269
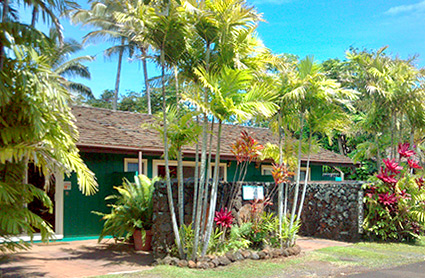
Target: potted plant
x=131, y=214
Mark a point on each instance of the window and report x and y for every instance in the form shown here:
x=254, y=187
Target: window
x=188, y=169
x=132, y=165
x=266, y=170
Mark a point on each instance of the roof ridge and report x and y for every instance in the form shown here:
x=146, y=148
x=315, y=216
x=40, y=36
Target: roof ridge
x=110, y=110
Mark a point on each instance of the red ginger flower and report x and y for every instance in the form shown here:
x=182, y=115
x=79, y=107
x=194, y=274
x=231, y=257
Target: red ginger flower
x=413, y=164
x=386, y=177
x=223, y=218
x=387, y=198
x=392, y=166
x=403, y=150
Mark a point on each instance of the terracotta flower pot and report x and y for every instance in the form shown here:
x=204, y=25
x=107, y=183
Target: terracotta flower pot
x=139, y=244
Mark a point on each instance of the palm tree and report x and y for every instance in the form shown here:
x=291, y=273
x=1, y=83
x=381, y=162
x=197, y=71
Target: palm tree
x=167, y=31
x=102, y=15
x=310, y=88
x=61, y=65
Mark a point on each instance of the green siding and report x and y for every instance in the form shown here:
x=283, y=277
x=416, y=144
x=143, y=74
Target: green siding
x=109, y=171
x=78, y=219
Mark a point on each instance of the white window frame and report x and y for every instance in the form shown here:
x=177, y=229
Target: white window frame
x=136, y=160
x=158, y=162
x=266, y=168
x=270, y=168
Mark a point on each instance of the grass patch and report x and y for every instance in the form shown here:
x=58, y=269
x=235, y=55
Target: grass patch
x=360, y=256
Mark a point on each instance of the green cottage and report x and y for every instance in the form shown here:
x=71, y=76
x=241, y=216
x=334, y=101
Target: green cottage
x=114, y=146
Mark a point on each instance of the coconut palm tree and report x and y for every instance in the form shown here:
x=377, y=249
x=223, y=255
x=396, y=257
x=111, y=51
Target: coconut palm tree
x=102, y=15
x=69, y=68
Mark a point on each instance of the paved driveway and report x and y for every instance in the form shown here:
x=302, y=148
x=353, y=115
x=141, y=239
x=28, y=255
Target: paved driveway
x=74, y=259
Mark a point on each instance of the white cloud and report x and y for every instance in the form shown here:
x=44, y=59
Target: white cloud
x=273, y=2
x=403, y=9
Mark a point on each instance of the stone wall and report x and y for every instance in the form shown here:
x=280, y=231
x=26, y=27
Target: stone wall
x=332, y=210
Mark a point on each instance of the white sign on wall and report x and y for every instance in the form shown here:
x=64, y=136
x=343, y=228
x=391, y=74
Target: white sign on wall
x=250, y=192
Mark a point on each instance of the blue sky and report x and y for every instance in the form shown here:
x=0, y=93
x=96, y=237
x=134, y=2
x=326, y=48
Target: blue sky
x=325, y=29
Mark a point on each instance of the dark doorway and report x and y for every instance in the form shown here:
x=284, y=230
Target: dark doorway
x=36, y=178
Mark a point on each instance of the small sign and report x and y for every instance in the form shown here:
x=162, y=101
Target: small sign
x=66, y=185
x=250, y=192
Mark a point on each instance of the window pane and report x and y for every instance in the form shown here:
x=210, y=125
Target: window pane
x=132, y=167
x=267, y=172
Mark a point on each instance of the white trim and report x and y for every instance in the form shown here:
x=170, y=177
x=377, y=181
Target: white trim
x=136, y=160
x=36, y=237
x=59, y=202
x=270, y=167
x=158, y=162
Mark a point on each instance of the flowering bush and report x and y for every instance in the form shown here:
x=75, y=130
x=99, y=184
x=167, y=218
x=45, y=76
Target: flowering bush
x=396, y=201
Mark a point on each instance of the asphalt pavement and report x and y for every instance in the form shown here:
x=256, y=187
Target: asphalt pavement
x=404, y=271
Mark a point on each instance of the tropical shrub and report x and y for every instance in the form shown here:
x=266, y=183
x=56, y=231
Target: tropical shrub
x=395, y=202
x=133, y=208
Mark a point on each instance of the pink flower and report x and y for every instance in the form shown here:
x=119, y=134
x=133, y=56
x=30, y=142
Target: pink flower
x=403, y=150
x=223, y=218
x=387, y=199
x=386, y=177
x=413, y=164
x=392, y=166
x=404, y=194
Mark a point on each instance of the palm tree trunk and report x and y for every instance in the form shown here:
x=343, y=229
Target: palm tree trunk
x=145, y=75
x=378, y=153
x=412, y=136
x=180, y=186
x=201, y=187
x=176, y=79
x=214, y=189
x=206, y=188
x=285, y=201
x=34, y=16
x=196, y=177
x=167, y=169
x=280, y=185
x=117, y=81
x=3, y=20
x=300, y=209
x=297, y=185
x=203, y=165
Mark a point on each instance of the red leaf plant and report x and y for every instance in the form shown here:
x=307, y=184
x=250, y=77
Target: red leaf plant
x=224, y=218
x=281, y=173
x=403, y=150
x=392, y=166
x=386, y=177
x=413, y=164
x=246, y=148
x=387, y=199
x=405, y=195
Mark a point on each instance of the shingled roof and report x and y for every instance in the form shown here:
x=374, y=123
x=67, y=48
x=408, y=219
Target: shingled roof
x=103, y=128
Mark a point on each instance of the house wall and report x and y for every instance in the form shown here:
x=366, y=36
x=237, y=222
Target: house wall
x=109, y=171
